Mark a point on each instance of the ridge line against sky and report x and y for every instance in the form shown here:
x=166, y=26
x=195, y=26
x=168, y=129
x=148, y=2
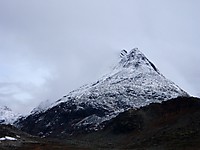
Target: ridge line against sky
x=49, y=48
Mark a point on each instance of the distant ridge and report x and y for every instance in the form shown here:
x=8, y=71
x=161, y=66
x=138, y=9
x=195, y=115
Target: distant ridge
x=7, y=116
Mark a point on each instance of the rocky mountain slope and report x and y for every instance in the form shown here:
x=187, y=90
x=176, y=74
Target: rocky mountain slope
x=172, y=124
x=134, y=82
x=7, y=116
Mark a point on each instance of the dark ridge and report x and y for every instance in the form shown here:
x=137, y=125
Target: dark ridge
x=123, y=53
x=153, y=66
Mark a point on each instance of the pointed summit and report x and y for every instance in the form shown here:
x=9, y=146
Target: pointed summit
x=133, y=55
x=133, y=83
x=136, y=59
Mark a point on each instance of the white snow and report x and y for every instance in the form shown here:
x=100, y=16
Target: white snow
x=8, y=138
x=142, y=81
x=7, y=116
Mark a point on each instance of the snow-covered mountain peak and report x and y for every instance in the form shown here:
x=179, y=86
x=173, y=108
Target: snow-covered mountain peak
x=132, y=54
x=7, y=116
x=135, y=59
x=134, y=72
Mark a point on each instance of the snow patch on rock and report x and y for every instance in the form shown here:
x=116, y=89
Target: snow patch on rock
x=8, y=138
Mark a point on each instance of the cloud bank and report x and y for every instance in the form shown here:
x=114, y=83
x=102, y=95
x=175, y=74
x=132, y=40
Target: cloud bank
x=48, y=48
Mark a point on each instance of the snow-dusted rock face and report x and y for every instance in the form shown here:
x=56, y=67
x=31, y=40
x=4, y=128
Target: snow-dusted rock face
x=7, y=116
x=134, y=82
x=44, y=105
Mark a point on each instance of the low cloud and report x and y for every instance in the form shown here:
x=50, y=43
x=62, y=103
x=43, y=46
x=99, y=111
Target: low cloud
x=50, y=48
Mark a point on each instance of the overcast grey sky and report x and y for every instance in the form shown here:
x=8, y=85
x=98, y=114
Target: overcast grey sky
x=50, y=47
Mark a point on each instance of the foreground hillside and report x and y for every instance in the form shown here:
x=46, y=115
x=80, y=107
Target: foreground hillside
x=173, y=124
x=13, y=139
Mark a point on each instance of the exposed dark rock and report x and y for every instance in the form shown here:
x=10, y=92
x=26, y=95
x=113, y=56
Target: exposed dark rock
x=173, y=124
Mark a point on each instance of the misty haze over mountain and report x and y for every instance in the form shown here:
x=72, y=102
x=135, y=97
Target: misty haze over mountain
x=49, y=48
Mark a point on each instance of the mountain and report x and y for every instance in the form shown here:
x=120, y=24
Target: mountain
x=7, y=116
x=134, y=82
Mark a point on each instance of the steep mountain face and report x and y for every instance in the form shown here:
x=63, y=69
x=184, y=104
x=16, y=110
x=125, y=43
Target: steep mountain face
x=133, y=83
x=7, y=116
